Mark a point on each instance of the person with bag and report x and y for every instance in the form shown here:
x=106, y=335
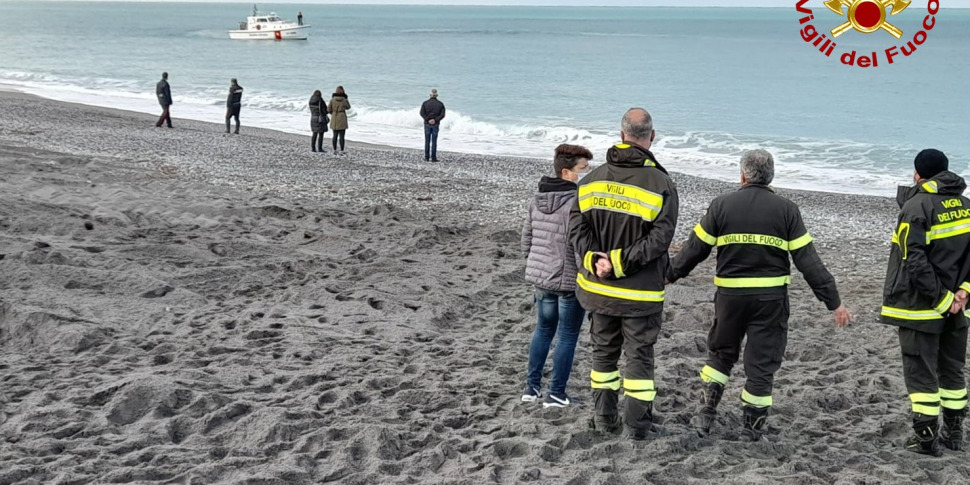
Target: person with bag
x=318, y=121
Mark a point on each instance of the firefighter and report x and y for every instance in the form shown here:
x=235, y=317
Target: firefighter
x=621, y=226
x=754, y=231
x=925, y=294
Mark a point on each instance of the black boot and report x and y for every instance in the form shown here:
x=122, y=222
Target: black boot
x=754, y=423
x=606, y=419
x=606, y=423
x=926, y=439
x=951, y=436
x=707, y=412
x=646, y=426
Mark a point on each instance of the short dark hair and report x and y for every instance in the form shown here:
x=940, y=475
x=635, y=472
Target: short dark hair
x=164, y=75
x=567, y=156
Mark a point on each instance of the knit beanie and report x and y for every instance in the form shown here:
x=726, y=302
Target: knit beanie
x=931, y=162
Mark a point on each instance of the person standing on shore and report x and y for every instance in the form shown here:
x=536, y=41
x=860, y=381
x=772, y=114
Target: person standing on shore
x=164, y=95
x=925, y=295
x=621, y=226
x=318, y=120
x=432, y=112
x=754, y=231
x=551, y=266
x=338, y=121
x=233, y=103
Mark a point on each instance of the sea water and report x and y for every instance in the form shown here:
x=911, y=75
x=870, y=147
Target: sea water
x=520, y=80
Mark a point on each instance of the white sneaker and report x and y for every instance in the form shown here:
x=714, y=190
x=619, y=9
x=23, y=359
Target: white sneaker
x=556, y=402
x=531, y=394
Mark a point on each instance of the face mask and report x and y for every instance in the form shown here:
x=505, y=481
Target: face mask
x=580, y=175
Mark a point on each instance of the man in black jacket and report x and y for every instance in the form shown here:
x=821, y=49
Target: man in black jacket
x=754, y=231
x=432, y=112
x=233, y=103
x=164, y=95
x=621, y=227
x=925, y=294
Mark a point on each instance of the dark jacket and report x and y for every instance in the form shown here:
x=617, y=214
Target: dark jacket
x=754, y=231
x=318, y=114
x=163, y=93
x=930, y=253
x=234, y=100
x=551, y=260
x=627, y=208
x=432, y=109
x=338, y=108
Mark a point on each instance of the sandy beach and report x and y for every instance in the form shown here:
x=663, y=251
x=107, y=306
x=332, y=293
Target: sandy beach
x=185, y=306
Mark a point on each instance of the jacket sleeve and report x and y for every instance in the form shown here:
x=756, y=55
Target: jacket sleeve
x=346, y=104
x=330, y=106
x=809, y=263
x=911, y=234
x=583, y=240
x=527, y=232
x=168, y=94
x=424, y=111
x=627, y=261
x=697, y=249
x=441, y=116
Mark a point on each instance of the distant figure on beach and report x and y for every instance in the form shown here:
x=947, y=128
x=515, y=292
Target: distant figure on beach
x=338, y=121
x=233, y=103
x=621, y=227
x=299, y=18
x=318, y=120
x=754, y=231
x=164, y=95
x=551, y=266
x=432, y=112
x=927, y=285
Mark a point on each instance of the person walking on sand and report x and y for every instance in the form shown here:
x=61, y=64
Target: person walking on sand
x=621, y=226
x=338, y=121
x=299, y=18
x=233, y=103
x=754, y=231
x=164, y=95
x=318, y=121
x=432, y=112
x=551, y=266
x=925, y=294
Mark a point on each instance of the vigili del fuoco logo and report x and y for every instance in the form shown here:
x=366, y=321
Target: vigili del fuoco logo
x=866, y=17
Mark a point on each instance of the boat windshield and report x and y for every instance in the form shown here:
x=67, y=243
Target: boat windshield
x=274, y=19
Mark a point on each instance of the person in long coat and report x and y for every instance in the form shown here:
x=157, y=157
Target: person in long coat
x=338, y=116
x=318, y=120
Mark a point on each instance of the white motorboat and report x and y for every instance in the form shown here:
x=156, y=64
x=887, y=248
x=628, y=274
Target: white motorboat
x=269, y=27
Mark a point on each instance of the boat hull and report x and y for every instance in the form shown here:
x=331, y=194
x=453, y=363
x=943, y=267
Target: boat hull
x=293, y=33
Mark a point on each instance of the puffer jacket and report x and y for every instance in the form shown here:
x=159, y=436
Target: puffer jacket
x=338, y=109
x=318, y=114
x=930, y=256
x=551, y=263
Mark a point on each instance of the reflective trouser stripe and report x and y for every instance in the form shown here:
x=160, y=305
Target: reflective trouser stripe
x=755, y=401
x=710, y=374
x=605, y=380
x=765, y=282
x=640, y=389
x=953, y=398
x=925, y=403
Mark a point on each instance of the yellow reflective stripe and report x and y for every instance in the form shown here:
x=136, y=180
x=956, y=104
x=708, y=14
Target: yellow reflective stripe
x=605, y=380
x=945, y=303
x=965, y=286
x=756, y=401
x=953, y=398
x=764, y=282
x=621, y=198
x=931, y=187
x=762, y=239
x=943, y=231
x=621, y=293
x=640, y=389
x=895, y=239
x=588, y=262
x=926, y=403
x=622, y=146
x=903, y=314
x=902, y=234
x=704, y=236
x=799, y=242
x=710, y=374
x=617, y=261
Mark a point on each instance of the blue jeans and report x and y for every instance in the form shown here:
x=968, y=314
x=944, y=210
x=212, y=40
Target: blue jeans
x=557, y=310
x=430, y=141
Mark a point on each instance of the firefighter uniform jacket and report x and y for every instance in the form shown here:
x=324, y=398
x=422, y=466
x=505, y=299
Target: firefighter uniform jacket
x=754, y=230
x=929, y=255
x=627, y=209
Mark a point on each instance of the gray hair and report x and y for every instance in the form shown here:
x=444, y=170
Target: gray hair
x=637, y=124
x=758, y=167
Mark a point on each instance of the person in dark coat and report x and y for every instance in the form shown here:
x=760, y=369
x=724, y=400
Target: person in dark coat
x=164, y=95
x=338, y=108
x=318, y=121
x=233, y=103
x=432, y=112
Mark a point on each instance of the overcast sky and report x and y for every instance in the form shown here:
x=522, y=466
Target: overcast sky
x=627, y=3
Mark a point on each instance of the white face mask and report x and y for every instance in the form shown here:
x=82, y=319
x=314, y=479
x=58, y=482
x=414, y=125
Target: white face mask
x=580, y=175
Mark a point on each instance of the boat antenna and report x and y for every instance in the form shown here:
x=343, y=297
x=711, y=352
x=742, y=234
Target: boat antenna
x=255, y=12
